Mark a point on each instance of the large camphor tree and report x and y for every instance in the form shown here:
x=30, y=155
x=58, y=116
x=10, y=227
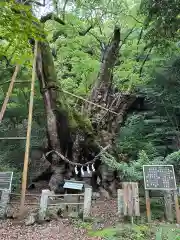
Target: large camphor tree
x=96, y=124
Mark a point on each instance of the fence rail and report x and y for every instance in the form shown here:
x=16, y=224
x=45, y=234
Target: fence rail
x=128, y=201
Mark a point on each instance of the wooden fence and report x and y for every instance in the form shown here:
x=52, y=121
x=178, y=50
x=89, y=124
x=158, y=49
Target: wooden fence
x=128, y=201
x=58, y=200
x=47, y=200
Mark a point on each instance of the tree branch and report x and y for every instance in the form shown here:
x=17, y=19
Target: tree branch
x=110, y=57
x=126, y=37
x=143, y=63
x=35, y=2
x=6, y=82
x=52, y=16
x=64, y=8
x=134, y=18
x=83, y=33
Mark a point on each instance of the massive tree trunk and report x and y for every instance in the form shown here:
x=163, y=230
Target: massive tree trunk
x=83, y=146
x=79, y=145
x=107, y=123
x=58, y=132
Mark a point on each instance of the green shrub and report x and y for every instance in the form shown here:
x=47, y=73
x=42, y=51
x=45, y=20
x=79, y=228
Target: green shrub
x=137, y=232
x=126, y=232
x=167, y=234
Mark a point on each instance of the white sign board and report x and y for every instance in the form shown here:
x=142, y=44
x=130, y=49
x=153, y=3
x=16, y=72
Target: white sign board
x=6, y=180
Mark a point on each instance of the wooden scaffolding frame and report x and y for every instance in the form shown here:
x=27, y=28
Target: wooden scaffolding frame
x=29, y=127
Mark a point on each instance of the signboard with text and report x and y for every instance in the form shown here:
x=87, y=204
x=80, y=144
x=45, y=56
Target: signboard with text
x=6, y=180
x=159, y=177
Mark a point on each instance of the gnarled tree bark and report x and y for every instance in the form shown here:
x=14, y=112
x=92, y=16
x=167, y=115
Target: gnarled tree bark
x=107, y=124
x=80, y=145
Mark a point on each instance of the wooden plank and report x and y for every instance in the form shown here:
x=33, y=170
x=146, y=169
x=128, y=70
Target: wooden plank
x=16, y=202
x=124, y=185
x=6, y=180
x=44, y=204
x=87, y=202
x=130, y=199
x=148, y=206
x=65, y=203
x=168, y=205
x=177, y=207
x=27, y=194
x=28, y=135
x=120, y=201
x=72, y=199
x=12, y=138
x=9, y=92
x=67, y=194
x=136, y=205
x=4, y=203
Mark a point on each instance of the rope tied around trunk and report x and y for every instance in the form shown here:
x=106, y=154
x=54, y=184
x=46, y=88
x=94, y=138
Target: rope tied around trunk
x=77, y=164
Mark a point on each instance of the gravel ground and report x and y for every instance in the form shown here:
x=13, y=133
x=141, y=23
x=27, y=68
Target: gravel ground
x=104, y=212
x=55, y=230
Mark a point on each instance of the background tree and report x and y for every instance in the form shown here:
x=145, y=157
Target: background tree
x=76, y=56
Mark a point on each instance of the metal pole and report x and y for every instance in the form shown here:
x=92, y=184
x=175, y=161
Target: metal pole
x=28, y=136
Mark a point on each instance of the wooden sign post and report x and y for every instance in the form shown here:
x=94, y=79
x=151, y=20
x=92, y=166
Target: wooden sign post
x=5, y=190
x=128, y=200
x=162, y=178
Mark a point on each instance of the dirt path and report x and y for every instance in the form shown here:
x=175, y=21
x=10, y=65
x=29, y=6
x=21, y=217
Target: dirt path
x=55, y=230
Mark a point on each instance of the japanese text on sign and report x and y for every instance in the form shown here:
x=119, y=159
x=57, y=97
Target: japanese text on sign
x=159, y=177
x=6, y=180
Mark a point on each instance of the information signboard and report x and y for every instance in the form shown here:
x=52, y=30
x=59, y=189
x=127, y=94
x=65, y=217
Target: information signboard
x=6, y=180
x=159, y=177
x=70, y=184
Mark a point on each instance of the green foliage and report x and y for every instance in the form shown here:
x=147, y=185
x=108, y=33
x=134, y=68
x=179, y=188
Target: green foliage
x=152, y=136
x=137, y=232
x=162, y=19
x=167, y=234
x=106, y=233
x=123, y=233
x=17, y=27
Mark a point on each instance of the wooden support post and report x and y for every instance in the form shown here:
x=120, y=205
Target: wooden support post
x=87, y=202
x=168, y=205
x=177, y=207
x=130, y=200
x=6, y=100
x=44, y=204
x=4, y=203
x=125, y=189
x=135, y=191
x=148, y=206
x=28, y=136
x=120, y=194
x=78, y=206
